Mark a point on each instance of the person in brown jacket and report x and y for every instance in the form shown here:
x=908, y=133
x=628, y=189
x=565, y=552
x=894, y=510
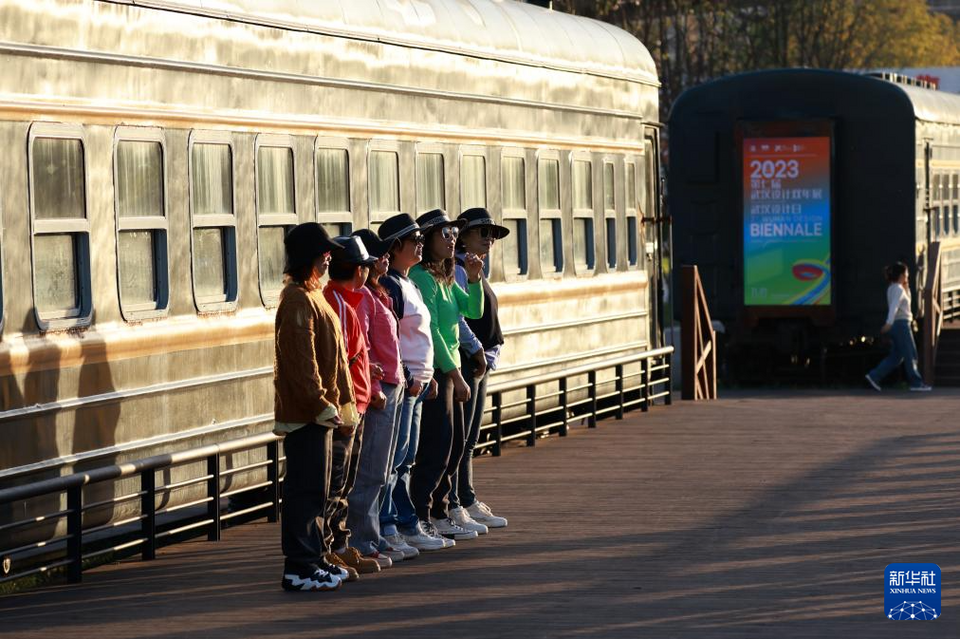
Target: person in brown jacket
x=314, y=395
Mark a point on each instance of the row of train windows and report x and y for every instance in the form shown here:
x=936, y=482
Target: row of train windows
x=61, y=228
x=945, y=205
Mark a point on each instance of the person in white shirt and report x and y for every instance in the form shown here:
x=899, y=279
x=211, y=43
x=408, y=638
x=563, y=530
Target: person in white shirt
x=898, y=325
x=399, y=524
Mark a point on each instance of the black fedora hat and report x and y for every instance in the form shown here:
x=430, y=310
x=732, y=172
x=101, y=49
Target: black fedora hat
x=375, y=246
x=481, y=217
x=353, y=252
x=436, y=218
x=305, y=243
x=397, y=227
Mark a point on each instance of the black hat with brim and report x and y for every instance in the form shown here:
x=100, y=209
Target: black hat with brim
x=305, y=243
x=437, y=218
x=375, y=246
x=352, y=252
x=481, y=217
x=398, y=227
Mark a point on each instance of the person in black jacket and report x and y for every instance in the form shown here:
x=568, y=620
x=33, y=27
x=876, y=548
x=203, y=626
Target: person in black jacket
x=480, y=342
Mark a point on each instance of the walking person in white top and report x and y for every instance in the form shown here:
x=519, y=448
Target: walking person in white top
x=899, y=319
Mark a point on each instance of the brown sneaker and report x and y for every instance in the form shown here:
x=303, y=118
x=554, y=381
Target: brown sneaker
x=334, y=559
x=351, y=557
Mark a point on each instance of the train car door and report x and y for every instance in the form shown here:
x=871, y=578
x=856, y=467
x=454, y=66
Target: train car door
x=652, y=234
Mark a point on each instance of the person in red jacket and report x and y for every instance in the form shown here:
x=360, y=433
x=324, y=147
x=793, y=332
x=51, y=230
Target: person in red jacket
x=348, y=270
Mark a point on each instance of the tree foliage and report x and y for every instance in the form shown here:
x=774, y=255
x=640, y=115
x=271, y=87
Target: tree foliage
x=695, y=40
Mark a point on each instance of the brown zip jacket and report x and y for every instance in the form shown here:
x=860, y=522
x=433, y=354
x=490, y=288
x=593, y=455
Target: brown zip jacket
x=310, y=372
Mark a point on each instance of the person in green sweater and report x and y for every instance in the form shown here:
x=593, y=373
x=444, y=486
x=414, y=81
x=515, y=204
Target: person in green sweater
x=442, y=426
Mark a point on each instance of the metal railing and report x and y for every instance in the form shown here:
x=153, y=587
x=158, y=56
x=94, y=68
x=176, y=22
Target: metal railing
x=72, y=546
x=698, y=340
x=538, y=412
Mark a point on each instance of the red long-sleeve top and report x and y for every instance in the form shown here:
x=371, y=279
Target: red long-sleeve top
x=344, y=302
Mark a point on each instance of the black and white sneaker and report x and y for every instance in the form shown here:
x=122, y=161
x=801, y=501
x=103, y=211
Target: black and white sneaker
x=339, y=572
x=309, y=579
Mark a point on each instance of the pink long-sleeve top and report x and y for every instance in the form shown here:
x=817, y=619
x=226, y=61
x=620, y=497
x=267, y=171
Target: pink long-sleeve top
x=380, y=326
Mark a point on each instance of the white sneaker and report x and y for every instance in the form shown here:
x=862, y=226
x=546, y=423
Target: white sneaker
x=423, y=541
x=922, y=388
x=398, y=543
x=462, y=518
x=449, y=528
x=395, y=554
x=431, y=530
x=482, y=514
x=382, y=560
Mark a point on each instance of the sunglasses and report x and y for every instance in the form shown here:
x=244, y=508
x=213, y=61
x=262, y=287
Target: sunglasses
x=450, y=232
x=414, y=237
x=486, y=232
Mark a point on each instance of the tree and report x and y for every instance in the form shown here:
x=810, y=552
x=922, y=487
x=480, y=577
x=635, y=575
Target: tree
x=693, y=41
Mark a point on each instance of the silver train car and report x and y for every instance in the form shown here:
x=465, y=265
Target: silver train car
x=153, y=153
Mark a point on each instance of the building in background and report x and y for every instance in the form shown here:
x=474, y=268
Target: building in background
x=944, y=78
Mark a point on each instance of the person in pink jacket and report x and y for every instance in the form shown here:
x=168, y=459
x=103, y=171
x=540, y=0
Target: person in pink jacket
x=380, y=325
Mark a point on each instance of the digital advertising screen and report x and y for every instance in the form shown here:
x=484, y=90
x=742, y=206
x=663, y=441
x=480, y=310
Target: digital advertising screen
x=786, y=221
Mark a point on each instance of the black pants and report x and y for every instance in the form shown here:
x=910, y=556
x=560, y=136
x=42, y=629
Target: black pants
x=305, y=488
x=345, y=460
x=439, y=451
x=462, y=493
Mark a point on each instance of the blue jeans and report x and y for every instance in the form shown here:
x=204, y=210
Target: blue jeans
x=461, y=488
x=379, y=433
x=902, y=350
x=396, y=509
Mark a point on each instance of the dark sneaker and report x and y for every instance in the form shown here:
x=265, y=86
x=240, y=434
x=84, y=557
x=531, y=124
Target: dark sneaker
x=870, y=381
x=335, y=566
x=310, y=579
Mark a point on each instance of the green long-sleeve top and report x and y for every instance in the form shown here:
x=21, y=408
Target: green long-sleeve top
x=447, y=302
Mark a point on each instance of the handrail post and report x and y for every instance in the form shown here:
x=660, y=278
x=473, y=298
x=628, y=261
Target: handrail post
x=688, y=332
x=668, y=362
x=532, y=407
x=697, y=340
x=273, y=476
x=564, y=406
x=618, y=371
x=932, y=312
x=498, y=420
x=592, y=388
x=148, y=509
x=646, y=377
x=213, y=493
x=75, y=534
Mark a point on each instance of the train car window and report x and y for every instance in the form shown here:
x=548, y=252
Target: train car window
x=514, y=198
x=333, y=190
x=584, y=258
x=956, y=203
x=140, y=183
x=633, y=206
x=430, y=182
x=384, y=186
x=935, y=209
x=61, y=231
x=610, y=213
x=214, y=223
x=276, y=210
x=551, y=224
x=473, y=181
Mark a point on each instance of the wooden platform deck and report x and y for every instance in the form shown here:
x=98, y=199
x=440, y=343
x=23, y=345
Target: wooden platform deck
x=760, y=515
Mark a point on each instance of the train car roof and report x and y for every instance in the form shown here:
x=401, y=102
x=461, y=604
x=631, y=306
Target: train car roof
x=925, y=104
x=496, y=29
